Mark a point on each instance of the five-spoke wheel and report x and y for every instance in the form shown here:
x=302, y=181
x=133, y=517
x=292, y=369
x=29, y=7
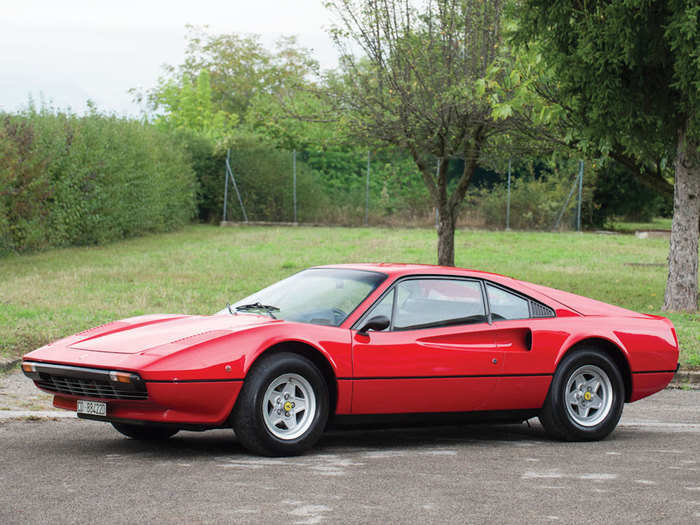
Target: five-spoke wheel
x=283, y=406
x=589, y=395
x=288, y=406
x=585, y=397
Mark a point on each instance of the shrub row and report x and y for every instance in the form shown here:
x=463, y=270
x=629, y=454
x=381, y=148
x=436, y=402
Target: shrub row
x=535, y=204
x=264, y=178
x=537, y=201
x=81, y=180
x=331, y=184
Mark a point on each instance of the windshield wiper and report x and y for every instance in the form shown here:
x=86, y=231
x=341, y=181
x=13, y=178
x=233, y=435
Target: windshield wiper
x=267, y=308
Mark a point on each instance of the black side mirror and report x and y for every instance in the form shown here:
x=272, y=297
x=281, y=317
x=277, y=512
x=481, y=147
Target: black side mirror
x=376, y=323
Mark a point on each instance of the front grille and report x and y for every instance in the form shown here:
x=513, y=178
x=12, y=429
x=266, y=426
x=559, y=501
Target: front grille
x=86, y=387
x=86, y=382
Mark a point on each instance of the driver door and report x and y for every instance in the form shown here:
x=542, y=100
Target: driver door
x=438, y=355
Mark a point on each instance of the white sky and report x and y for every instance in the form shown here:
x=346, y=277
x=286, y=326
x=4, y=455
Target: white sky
x=72, y=50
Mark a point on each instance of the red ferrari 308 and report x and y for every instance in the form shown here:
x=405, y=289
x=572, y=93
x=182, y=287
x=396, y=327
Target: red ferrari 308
x=362, y=342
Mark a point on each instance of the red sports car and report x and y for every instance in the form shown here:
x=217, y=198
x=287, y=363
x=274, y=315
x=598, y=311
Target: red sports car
x=364, y=341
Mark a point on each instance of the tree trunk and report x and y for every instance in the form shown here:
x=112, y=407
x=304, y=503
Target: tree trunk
x=446, y=236
x=682, y=284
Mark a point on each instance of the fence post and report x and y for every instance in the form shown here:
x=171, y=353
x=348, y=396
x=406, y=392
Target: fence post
x=225, y=192
x=229, y=171
x=367, y=192
x=566, y=203
x=437, y=211
x=508, y=202
x=294, y=187
x=580, y=189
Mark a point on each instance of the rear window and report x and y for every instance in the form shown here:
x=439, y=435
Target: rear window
x=505, y=305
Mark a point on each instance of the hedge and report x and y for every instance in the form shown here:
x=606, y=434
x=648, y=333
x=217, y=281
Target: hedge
x=82, y=180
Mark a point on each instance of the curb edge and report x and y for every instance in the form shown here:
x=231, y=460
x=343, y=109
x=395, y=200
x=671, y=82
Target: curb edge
x=6, y=364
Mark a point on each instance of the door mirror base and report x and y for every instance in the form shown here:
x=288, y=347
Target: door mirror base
x=376, y=323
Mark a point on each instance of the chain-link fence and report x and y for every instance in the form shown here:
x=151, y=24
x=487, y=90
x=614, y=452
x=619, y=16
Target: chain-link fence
x=384, y=189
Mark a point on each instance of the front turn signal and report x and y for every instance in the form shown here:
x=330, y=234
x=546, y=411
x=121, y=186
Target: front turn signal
x=30, y=370
x=120, y=377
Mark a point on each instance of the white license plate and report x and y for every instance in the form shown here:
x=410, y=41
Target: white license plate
x=93, y=408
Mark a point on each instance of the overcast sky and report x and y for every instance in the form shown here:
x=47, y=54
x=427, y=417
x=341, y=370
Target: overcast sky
x=72, y=50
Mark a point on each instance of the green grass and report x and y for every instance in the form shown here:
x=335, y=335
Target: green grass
x=658, y=223
x=55, y=293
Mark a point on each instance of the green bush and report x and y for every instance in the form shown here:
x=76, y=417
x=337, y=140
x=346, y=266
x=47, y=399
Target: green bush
x=80, y=180
x=331, y=184
x=396, y=188
x=265, y=179
x=208, y=166
x=535, y=203
x=619, y=194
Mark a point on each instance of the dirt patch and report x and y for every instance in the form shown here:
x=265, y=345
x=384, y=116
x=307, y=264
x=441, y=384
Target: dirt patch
x=17, y=392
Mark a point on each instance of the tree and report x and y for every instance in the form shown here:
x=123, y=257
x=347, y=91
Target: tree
x=223, y=77
x=549, y=123
x=427, y=81
x=297, y=115
x=628, y=76
x=189, y=106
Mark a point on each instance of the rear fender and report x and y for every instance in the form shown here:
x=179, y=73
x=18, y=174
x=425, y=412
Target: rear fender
x=612, y=346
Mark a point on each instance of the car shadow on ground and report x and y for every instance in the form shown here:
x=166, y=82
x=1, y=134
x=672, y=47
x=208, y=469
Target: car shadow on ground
x=430, y=436
x=222, y=442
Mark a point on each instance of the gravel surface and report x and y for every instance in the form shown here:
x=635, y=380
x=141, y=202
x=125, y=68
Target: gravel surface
x=18, y=392
x=75, y=471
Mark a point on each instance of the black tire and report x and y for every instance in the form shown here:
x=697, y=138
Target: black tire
x=248, y=419
x=565, y=421
x=145, y=432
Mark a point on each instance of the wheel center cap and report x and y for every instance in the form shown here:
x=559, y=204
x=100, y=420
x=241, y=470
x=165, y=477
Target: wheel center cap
x=288, y=406
x=587, y=396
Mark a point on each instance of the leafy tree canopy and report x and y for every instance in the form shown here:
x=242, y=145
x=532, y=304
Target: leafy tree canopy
x=223, y=77
x=625, y=75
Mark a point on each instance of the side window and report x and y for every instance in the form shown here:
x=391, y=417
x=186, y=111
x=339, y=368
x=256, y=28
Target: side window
x=423, y=303
x=505, y=305
x=384, y=307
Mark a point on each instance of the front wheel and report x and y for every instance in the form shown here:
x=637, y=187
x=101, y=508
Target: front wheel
x=586, y=397
x=283, y=406
x=145, y=432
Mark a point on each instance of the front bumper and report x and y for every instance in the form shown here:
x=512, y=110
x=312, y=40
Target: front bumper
x=187, y=403
x=85, y=381
x=194, y=403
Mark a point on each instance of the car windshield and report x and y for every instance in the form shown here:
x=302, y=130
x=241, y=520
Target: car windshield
x=324, y=296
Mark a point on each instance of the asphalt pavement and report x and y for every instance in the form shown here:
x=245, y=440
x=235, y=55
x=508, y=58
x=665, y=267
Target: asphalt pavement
x=75, y=471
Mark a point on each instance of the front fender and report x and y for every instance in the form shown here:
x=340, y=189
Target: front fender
x=222, y=355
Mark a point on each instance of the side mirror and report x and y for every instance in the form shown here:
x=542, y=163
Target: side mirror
x=376, y=323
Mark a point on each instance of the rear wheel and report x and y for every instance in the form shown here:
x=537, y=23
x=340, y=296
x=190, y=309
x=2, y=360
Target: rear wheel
x=586, y=397
x=145, y=432
x=283, y=406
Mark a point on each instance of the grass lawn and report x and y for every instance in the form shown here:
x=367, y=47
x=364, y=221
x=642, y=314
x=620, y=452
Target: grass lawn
x=52, y=294
x=658, y=223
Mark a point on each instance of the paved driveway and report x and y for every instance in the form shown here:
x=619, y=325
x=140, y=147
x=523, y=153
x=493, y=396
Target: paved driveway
x=648, y=471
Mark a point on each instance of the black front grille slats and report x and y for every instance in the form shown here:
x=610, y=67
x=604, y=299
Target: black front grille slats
x=87, y=387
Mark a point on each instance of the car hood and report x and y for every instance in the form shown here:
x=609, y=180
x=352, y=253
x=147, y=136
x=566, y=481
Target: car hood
x=135, y=335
